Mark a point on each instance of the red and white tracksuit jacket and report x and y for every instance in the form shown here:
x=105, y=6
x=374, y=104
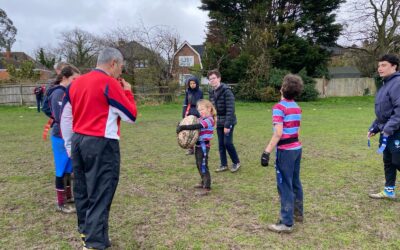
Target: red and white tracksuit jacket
x=93, y=105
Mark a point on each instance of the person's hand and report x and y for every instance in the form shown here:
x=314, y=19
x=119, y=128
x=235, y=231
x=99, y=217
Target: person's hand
x=265, y=159
x=126, y=85
x=227, y=130
x=370, y=134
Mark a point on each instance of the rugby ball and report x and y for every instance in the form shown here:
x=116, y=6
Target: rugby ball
x=188, y=138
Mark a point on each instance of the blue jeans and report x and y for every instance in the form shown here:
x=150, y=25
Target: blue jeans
x=289, y=184
x=225, y=143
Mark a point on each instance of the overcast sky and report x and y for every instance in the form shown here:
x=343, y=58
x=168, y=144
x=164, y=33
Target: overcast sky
x=39, y=22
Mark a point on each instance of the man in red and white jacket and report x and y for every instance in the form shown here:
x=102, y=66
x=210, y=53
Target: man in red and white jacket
x=90, y=124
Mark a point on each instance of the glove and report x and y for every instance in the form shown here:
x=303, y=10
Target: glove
x=383, y=144
x=264, y=159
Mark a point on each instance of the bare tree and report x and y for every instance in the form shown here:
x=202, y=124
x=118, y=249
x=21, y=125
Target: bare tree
x=7, y=31
x=79, y=47
x=155, y=44
x=375, y=27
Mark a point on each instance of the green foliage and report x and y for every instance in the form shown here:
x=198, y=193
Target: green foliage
x=246, y=38
x=24, y=72
x=46, y=60
x=269, y=91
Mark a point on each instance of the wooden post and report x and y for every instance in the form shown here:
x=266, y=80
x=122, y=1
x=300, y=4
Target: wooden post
x=20, y=94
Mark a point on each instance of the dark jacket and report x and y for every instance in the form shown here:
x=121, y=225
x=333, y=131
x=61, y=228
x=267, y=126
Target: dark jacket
x=55, y=96
x=192, y=96
x=223, y=100
x=387, y=106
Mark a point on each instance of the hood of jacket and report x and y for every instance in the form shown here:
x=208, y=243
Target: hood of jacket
x=192, y=79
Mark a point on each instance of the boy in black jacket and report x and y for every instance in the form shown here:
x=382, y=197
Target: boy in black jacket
x=224, y=101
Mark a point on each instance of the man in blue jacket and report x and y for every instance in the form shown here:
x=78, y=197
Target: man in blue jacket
x=387, y=123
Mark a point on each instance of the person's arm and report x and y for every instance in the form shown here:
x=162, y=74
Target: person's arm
x=56, y=104
x=66, y=121
x=185, y=103
x=276, y=137
x=373, y=129
x=393, y=123
x=230, y=110
x=121, y=100
x=179, y=128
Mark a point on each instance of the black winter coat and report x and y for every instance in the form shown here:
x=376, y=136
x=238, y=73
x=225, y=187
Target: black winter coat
x=191, y=98
x=224, y=102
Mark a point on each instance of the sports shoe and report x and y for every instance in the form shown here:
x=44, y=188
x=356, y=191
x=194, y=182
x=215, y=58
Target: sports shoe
x=65, y=209
x=221, y=169
x=190, y=152
x=235, y=167
x=83, y=238
x=280, y=228
x=383, y=195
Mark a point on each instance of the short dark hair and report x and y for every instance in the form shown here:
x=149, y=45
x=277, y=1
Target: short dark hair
x=292, y=86
x=392, y=59
x=213, y=72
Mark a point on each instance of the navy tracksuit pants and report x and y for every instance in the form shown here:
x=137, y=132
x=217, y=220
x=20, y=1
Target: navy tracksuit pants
x=289, y=185
x=96, y=166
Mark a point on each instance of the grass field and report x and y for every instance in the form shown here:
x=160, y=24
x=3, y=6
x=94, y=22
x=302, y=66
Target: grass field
x=155, y=206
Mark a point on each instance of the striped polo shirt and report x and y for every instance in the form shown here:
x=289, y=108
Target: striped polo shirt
x=206, y=132
x=288, y=113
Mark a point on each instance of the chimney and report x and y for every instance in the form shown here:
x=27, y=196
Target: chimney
x=8, y=52
x=175, y=46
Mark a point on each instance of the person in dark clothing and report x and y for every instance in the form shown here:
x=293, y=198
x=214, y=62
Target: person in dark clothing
x=192, y=95
x=62, y=162
x=39, y=91
x=387, y=123
x=224, y=101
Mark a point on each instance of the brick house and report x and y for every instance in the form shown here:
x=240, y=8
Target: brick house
x=16, y=58
x=186, y=62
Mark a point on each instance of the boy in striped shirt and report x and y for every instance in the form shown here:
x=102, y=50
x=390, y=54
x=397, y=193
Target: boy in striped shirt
x=286, y=119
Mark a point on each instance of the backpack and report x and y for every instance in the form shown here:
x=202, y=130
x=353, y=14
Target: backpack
x=46, y=104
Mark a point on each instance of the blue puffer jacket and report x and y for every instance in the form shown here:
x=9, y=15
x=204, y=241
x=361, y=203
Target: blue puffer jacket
x=192, y=96
x=387, y=106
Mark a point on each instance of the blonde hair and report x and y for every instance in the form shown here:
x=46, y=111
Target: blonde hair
x=208, y=105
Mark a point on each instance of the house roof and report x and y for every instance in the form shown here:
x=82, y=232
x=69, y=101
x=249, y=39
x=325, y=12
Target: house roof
x=344, y=72
x=16, y=59
x=193, y=49
x=199, y=48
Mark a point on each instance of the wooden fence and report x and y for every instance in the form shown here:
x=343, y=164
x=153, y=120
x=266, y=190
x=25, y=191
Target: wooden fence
x=22, y=94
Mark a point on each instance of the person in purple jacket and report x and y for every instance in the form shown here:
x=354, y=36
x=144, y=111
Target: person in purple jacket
x=387, y=123
x=62, y=162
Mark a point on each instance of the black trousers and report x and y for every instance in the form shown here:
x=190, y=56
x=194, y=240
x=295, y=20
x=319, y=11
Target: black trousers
x=96, y=165
x=206, y=177
x=391, y=163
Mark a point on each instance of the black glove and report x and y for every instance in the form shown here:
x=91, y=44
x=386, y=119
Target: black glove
x=264, y=159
